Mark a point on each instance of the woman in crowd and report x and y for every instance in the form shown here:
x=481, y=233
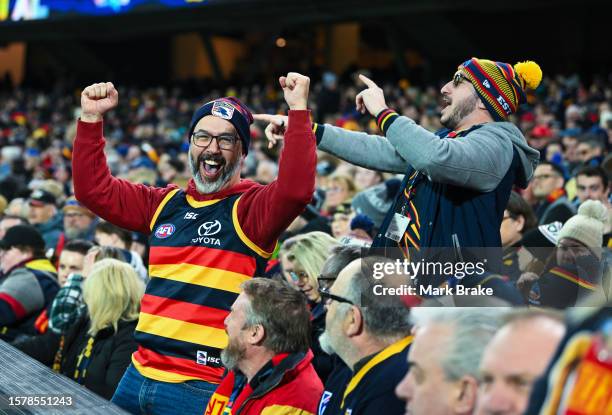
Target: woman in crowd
x=302, y=258
x=577, y=267
x=518, y=219
x=98, y=347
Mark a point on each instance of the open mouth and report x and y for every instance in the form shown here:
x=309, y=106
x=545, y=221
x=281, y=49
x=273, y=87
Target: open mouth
x=211, y=169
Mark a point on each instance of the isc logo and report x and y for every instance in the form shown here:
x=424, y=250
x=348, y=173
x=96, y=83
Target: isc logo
x=504, y=104
x=165, y=230
x=190, y=215
x=202, y=358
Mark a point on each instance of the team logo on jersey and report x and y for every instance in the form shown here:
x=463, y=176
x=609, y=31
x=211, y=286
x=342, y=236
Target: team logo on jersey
x=222, y=110
x=205, y=233
x=165, y=230
x=202, y=358
x=209, y=228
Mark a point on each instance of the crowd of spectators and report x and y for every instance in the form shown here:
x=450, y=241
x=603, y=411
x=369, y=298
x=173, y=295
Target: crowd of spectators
x=554, y=236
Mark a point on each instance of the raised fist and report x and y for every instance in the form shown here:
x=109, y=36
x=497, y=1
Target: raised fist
x=97, y=99
x=295, y=87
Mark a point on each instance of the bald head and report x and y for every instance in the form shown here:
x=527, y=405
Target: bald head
x=518, y=354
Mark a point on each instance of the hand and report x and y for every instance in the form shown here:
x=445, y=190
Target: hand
x=89, y=260
x=277, y=125
x=295, y=87
x=96, y=100
x=525, y=282
x=370, y=99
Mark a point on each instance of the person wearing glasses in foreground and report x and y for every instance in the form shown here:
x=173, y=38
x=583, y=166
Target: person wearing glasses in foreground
x=458, y=180
x=206, y=240
x=371, y=334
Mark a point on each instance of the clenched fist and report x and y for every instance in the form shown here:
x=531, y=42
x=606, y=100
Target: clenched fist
x=295, y=87
x=96, y=99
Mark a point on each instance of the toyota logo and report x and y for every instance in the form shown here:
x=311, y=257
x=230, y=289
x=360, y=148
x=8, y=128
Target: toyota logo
x=209, y=228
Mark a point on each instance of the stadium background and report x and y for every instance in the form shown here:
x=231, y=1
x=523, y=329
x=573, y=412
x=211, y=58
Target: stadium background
x=246, y=41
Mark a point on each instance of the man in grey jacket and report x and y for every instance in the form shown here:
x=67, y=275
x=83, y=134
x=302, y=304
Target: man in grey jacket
x=458, y=180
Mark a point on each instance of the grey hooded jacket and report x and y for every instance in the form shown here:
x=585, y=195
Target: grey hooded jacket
x=468, y=178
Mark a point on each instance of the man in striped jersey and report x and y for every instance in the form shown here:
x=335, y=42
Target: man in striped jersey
x=205, y=240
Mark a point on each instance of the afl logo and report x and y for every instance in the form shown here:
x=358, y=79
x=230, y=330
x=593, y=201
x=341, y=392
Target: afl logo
x=209, y=228
x=165, y=230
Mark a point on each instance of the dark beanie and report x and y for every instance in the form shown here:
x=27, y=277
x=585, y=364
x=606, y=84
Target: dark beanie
x=230, y=109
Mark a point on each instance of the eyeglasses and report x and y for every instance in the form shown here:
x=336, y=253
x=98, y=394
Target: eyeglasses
x=326, y=295
x=203, y=139
x=458, y=78
x=296, y=276
x=325, y=282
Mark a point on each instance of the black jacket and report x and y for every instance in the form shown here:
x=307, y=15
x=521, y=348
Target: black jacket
x=111, y=354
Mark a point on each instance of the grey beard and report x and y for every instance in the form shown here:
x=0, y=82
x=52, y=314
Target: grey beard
x=460, y=112
x=75, y=233
x=232, y=355
x=212, y=187
x=324, y=342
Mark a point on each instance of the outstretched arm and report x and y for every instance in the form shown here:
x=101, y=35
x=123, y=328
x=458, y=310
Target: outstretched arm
x=365, y=150
x=265, y=212
x=478, y=161
x=131, y=206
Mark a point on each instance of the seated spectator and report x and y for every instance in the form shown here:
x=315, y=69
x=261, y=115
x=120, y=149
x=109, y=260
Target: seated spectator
x=44, y=217
x=552, y=203
x=28, y=283
x=108, y=234
x=340, y=375
x=365, y=178
x=72, y=259
x=575, y=269
x=9, y=221
x=371, y=334
x=79, y=222
x=68, y=303
x=376, y=201
x=444, y=359
x=302, y=258
x=98, y=347
x=341, y=223
x=18, y=207
x=518, y=354
x=590, y=150
x=518, y=219
x=340, y=188
x=267, y=356
x=592, y=184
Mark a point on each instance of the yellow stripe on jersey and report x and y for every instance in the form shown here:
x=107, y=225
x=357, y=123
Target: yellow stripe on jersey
x=284, y=410
x=161, y=206
x=243, y=236
x=198, y=204
x=383, y=355
x=182, y=330
x=160, y=375
x=41, y=265
x=199, y=275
